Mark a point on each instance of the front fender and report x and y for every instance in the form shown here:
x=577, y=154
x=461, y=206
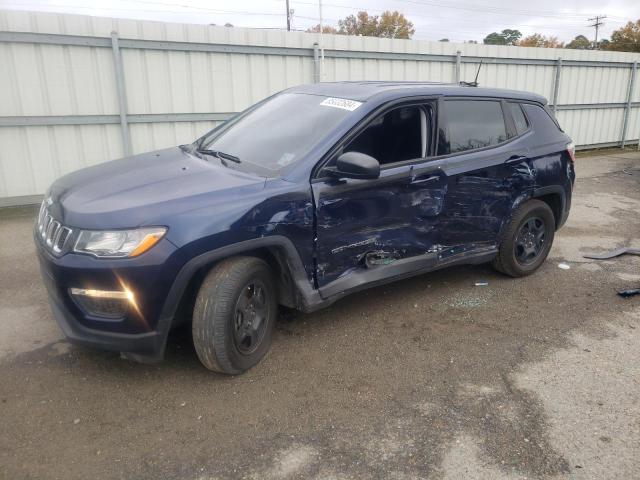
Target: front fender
x=309, y=296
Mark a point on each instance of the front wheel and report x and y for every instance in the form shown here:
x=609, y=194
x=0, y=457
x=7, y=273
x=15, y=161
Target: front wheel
x=234, y=315
x=527, y=240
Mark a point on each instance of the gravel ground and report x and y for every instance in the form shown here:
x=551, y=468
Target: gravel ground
x=432, y=377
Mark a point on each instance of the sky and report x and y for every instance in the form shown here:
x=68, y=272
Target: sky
x=457, y=20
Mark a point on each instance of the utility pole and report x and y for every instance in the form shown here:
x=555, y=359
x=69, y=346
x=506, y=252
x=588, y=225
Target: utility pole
x=288, y=17
x=597, y=23
x=321, y=42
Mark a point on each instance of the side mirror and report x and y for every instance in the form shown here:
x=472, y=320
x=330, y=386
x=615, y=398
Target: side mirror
x=356, y=165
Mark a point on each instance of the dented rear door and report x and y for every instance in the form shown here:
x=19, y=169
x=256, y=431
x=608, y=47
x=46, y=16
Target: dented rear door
x=488, y=172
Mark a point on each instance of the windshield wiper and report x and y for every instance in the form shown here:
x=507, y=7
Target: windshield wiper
x=218, y=154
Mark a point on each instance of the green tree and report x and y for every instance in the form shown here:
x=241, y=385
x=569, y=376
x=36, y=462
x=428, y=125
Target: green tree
x=443, y=40
x=494, y=39
x=325, y=29
x=579, y=43
x=538, y=40
x=394, y=25
x=625, y=39
x=604, y=44
x=506, y=37
x=360, y=24
x=388, y=25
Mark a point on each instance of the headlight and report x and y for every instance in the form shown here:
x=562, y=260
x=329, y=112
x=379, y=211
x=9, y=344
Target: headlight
x=118, y=243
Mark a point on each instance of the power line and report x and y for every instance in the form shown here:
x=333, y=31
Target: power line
x=118, y=9
x=289, y=13
x=474, y=8
x=416, y=15
x=597, y=24
x=494, y=10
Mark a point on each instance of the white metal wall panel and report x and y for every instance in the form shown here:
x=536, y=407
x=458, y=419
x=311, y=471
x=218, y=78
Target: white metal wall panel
x=154, y=136
x=32, y=157
x=594, y=85
x=636, y=90
x=533, y=78
x=592, y=126
x=634, y=124
x=195, y=82
x=55, y=80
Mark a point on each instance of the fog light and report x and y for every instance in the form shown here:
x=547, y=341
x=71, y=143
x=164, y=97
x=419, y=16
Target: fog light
x=103, y=303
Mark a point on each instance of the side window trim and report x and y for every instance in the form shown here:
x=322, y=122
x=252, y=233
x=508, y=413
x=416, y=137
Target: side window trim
x=509, y=122
x=524, y=114
x=423, y=132
x=424, y=103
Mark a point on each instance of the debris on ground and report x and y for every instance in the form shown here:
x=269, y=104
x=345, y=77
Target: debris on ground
x=613, y=253
x=630, y=292
x=482, y=283
x=463, y=301
x=564, y=266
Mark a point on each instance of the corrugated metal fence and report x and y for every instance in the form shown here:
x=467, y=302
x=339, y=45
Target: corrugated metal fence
x=78, y=90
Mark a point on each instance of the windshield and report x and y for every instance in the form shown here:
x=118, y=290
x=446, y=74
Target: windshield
x=278, y=132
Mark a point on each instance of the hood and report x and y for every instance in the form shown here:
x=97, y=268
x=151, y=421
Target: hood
x=145, y=189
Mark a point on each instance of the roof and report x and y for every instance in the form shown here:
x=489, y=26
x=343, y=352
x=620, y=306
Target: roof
x=366, y=90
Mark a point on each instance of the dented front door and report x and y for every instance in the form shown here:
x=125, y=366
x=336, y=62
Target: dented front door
x=368, y=230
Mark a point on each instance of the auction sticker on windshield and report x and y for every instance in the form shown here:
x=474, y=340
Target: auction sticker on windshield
x=343, y=103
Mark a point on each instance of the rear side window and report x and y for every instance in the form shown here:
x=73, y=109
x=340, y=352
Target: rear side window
x=470, y=124
x=518, y=117
x=543, y=123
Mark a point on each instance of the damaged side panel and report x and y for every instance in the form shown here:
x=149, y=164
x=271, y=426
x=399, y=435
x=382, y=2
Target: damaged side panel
x=480, y=200
x=370, y=223
x=421, y=216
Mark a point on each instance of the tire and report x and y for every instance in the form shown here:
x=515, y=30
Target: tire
x=511, y=255
x=224, y=302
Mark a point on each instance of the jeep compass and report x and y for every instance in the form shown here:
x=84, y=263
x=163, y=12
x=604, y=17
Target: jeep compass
x=311, y=194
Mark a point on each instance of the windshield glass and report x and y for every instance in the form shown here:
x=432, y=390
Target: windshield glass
x=278, y=132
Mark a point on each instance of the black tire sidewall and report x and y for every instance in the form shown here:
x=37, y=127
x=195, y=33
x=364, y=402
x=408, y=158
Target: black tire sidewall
x=240, y=360
x=214, y=311
x=542, y=211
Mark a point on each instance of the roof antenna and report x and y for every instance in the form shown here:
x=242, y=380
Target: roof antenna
x=475, y=82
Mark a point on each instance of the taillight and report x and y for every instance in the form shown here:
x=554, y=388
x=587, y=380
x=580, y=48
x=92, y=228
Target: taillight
x=571, y=150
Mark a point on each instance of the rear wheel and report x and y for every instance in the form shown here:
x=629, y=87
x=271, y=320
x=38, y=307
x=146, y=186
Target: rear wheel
x=527, y=240
x=234, y=315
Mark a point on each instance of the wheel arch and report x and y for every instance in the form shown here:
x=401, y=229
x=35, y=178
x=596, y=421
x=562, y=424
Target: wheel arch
x=294, y=288
x=555, y=197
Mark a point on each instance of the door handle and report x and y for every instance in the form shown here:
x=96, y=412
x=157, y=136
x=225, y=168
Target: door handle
x=516, y=159
x=429, y=179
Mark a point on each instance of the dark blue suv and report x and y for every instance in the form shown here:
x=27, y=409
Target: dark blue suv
x=316, y=192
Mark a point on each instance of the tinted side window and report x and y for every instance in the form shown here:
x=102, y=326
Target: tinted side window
x=471, y=124
x=543, y=124
x=518, y=118
x=393, y=137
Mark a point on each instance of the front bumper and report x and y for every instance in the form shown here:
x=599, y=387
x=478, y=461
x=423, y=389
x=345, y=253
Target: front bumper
x=141, y=333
